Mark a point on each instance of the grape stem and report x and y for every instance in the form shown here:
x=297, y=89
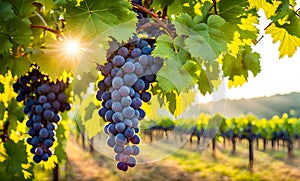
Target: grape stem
x=165, y=12
x=215, y=7
x=56, y=32
x=154, y=16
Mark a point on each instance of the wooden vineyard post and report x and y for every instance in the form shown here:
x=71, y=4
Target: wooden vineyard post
x=251, y=157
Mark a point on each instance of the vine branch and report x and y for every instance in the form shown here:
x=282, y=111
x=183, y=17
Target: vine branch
x=154, y=16
x=57, y=33
x=215, y=7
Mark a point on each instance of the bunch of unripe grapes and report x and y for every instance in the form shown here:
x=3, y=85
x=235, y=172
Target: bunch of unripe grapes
x=128, y=74
x=43, y=100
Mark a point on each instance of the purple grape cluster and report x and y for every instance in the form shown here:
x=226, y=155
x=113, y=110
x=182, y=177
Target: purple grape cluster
x=128, y=74
x=43, y=100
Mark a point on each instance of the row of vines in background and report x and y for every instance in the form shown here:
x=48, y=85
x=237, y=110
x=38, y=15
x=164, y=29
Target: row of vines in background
x=283, y=131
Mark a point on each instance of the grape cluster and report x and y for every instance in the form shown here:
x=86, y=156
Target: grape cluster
x=43, y=100
x=128, y=75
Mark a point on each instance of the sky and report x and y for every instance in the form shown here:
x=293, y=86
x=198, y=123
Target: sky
x=277, y=76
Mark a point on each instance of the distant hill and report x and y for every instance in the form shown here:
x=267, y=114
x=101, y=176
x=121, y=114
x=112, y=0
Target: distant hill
x=263, y=107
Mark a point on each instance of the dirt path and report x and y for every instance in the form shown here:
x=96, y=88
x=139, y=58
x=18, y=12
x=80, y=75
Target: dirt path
x=82, y=166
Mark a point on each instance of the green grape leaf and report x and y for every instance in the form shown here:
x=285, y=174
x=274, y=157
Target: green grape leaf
x=209, y=77
x=61, y=138
x=92, y=125
x=6, y=11
x=95, y=17
x=292, y=24
x=17, y=66
x=5, y=43
x=171, y=101
x=172, y=77
x=282, y=10
x=18, y=31
x=163, y=47
x=207, y=41
x=17, y=155
x=22, y=8
x=15, y=113
x=245, y=61
x=231, y=10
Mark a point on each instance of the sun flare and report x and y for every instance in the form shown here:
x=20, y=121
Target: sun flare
x=72, y=47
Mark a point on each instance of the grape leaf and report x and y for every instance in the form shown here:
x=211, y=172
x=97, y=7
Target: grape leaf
x=173, y=77
x=5, y=43
x=172, y=102
x=288, y=43
x=17, y=66
x=6, y=11
x=61, y=138
x=292, y=24
x=163, y=47
x=15, y=113
x=22, y=8
x=17, y=155
x=246, y=60
x=207, y=41
x=18, y=31
x=282, y=10
x=93, y=17
x=92, y=125
x=231, y=10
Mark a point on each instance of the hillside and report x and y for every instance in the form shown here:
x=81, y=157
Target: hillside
x=263, y=107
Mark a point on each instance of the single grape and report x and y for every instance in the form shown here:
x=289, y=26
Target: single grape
x=48, y=143
x=139, y=85
x=129, y=133
x=124, y=91
x=106, y=96
x=37, y=159
x=118, y=60
x=117, y=82
x=131, y=161
x=117, y=106
x=120, y=139
x=128, y=67
x=128, y=112
x=130, y=79
x=128, y=123
x=108, y=116
x=42, y=99
x=123, y=51
x=43, y=133
x=107, y=68
x=143, y=60
x=120, y=127
x=111, y=141
x=117, y=117
x=45, y=157
x=126, y=101
x=135, y=139
x=101, y=85
x=146, y=50
x=146, y=96
x=135, y=52
x=136, y=103
x=48, y=114
x=39, y=109
x=39, y=151
x=116, y=95
x=118, y=148
x=122, y=166
x=61, y=97
x=46, y=88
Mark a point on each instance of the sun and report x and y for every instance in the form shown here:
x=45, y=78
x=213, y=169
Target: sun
x=71, y=47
